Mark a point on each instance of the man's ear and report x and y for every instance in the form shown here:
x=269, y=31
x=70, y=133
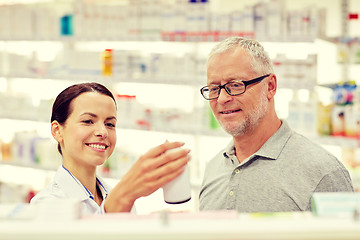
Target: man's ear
x=272, y=86
x=56, y=131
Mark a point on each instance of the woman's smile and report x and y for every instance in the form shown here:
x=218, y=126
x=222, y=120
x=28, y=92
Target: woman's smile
x=97, y=146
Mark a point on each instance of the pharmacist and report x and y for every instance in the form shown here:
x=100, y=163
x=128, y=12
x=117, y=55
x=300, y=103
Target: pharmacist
x=267, y=167
x=83, y=122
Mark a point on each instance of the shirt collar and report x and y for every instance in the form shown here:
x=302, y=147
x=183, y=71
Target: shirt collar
x=230, y=149
x=272, y=147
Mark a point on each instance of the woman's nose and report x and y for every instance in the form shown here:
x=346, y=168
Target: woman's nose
x=101, y=131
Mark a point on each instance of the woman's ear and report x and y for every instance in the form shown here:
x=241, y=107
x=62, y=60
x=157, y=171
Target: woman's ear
x=56, y=131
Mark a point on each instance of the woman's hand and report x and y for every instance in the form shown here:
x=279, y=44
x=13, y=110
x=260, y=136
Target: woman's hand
x=150, y=172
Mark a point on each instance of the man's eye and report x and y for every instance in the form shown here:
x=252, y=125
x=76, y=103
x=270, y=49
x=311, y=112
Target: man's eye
x=235, y=85
x=213, y=89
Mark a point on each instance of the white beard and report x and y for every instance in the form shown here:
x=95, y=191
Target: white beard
x=250, y=121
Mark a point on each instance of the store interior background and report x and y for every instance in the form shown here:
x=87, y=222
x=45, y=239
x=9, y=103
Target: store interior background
x=157, y=78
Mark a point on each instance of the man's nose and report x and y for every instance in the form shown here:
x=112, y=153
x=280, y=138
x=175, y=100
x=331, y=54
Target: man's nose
x=224, y=96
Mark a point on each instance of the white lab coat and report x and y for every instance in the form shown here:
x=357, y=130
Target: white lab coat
x=66, y=186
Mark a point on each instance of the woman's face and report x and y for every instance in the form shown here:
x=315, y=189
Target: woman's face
x=88, y=136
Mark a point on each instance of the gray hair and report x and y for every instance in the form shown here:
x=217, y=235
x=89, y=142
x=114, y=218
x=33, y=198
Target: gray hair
x=261, y=62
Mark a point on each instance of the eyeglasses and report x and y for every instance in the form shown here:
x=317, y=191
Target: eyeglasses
x=232, y=88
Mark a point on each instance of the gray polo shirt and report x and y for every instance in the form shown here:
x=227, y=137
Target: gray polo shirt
x=281, y=176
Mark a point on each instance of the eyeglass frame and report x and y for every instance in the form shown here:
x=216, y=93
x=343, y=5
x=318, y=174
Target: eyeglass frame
x=223, y=86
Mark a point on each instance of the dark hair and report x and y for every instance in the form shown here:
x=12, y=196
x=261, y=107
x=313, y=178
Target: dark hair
x=62, y=106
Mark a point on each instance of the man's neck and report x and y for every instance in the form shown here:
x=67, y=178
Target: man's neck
x=249, y=143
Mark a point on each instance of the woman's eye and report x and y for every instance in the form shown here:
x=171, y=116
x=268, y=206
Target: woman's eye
x=110, y=125
x=87, y=121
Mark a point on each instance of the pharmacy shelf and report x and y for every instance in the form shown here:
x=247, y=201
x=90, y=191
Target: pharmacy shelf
x=195, y=81
x=214, y=133
x=190, y=37
x=26, y=165
x=321, y=139
x=297, y=85
x=195, y=183
x=67, y=39
x=340, y=141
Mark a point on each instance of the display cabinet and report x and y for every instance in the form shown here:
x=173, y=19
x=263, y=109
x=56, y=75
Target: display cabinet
x=156, y=76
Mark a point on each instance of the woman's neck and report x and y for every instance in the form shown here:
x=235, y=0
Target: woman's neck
x=86, y=175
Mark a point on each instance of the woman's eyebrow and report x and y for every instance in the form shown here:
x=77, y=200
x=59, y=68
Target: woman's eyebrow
x=110, y=118
x=94, y=115
x=88, y=113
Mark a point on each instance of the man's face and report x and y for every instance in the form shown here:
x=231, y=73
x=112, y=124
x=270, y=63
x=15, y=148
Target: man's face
x=236, y=114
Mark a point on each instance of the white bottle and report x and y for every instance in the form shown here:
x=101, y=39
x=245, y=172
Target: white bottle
x=178, y=190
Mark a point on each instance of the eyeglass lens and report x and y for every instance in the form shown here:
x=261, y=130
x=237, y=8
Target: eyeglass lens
x=231, y=88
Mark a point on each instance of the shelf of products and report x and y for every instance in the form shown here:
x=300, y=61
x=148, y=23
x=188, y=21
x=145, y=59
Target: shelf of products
x=158, y=19
x=149, y=65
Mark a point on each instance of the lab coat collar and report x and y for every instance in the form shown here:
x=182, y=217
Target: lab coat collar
x=73, y=188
